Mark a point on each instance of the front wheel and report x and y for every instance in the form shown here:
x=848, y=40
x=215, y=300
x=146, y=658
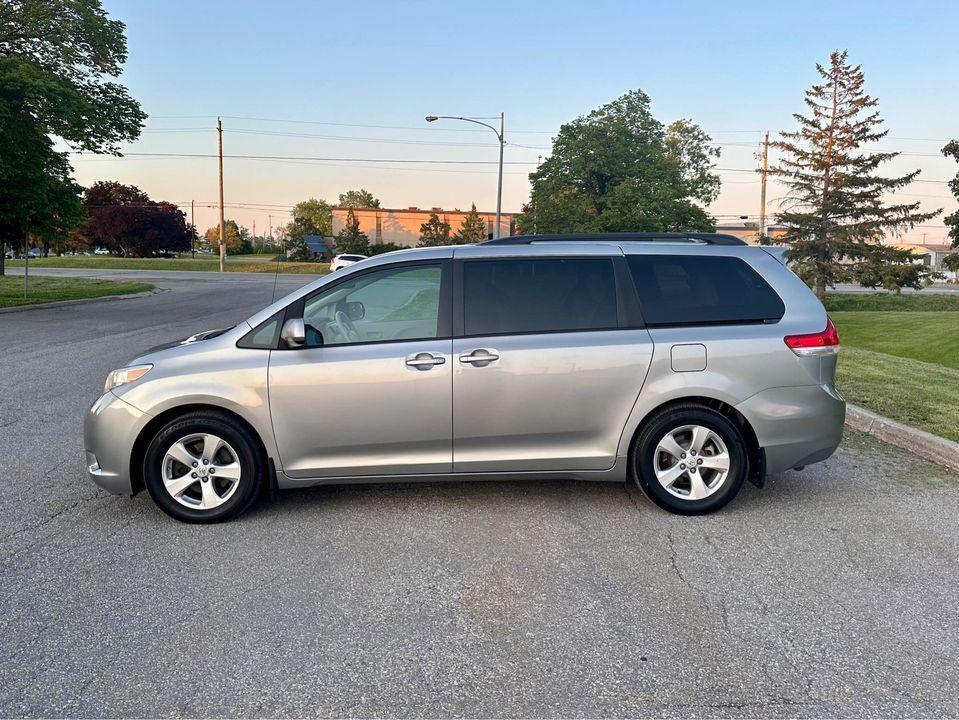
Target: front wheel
x=690, y=460
x=204, y=467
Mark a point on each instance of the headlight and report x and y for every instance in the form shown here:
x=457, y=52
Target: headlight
x=125, y=375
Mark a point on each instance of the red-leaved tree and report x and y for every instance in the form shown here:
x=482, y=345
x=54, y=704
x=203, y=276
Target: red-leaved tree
x=125, y=221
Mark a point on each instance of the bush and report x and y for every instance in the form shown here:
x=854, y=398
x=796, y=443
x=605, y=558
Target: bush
x=380, y=248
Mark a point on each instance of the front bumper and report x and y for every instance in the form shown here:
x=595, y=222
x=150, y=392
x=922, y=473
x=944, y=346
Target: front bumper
x=109, y=431
x=796, y=425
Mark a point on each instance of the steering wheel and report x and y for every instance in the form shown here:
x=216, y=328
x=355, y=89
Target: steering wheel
x=345, y=326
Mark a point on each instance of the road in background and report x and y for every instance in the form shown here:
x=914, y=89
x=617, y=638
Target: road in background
x=830, y=592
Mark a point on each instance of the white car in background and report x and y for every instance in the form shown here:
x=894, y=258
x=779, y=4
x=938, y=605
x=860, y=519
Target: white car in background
x=341, y=261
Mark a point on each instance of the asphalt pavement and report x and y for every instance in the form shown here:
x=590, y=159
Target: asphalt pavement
x=831, y=592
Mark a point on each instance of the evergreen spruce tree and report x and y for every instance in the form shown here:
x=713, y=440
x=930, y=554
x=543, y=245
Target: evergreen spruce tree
x=835, y=208
x=434, y=232
x=473, y=229
x=351, y=239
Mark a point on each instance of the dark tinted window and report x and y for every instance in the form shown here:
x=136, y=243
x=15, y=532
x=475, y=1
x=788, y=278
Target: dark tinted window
x=527, y=296
x=698, y=290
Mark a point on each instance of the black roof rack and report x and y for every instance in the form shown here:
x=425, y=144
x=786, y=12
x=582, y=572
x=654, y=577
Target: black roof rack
x=615, y=237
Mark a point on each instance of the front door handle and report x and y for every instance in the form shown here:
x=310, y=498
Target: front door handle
x=424, y=360
x=480, y=357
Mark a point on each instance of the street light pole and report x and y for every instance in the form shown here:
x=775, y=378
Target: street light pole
x=500, y=135
x=499, y=185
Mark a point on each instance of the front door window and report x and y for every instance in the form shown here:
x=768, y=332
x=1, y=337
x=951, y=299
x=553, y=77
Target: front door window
x=394, y=304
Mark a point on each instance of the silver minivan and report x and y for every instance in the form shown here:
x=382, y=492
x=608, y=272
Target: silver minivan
x=685, y=363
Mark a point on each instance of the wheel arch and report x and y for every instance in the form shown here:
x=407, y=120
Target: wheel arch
x=148, y=431
x=755, y=454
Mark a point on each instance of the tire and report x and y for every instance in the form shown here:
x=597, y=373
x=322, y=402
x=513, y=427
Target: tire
x=226, y=485
x=689, y=492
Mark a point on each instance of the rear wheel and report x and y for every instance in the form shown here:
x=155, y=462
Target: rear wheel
x=204, y=467
x=690, y=459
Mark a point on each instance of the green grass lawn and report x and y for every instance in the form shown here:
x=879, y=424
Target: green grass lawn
x=924, y=395
x=204, y=262
x=900, y=357
x=911, y=302
x=51, y=289
x=932, y=337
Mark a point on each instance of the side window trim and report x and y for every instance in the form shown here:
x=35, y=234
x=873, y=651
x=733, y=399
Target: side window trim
x=295, y=309
x=246, y=342
x=628, y=312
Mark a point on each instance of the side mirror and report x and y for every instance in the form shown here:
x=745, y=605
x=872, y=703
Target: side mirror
x=293, y=332
x=355, y=310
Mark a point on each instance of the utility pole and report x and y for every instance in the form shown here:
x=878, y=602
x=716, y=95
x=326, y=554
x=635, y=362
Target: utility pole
x=499, y=186
x=270, y=219
x=219, y=132
x=762, y=191
x=253, y=239
x=193, y=234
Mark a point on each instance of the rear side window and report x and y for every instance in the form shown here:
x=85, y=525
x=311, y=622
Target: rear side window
x=702, y=290
x=504, y=297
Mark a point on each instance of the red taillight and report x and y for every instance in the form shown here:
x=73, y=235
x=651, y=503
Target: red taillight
x=820, y=343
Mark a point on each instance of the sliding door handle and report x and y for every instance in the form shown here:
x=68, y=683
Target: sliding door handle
x=480, y=357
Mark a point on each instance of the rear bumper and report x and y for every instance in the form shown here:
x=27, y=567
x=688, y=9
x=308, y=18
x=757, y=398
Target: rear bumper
x=796, y=425
x=109, y=432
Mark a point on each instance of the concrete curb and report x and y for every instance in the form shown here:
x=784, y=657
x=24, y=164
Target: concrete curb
x=919, y=442
x=81, y=301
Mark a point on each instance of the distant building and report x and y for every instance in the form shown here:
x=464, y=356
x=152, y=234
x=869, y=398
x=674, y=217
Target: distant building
x=930, y=254
x=319, y=246
x=391, y=225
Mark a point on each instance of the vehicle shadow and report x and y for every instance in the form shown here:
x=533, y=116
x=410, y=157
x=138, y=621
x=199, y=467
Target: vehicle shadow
x=533, y=495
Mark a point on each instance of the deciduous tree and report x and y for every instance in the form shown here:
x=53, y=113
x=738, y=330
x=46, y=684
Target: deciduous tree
x=434, y=232
x=55, y=56
x=311, y=217
x=835, y=209
x=236, y=238
x=124, y=220
x=473, y=229
x=358, y=199
x=620, y=169
x=37, y=194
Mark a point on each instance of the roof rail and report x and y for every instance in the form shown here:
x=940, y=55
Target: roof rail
x=617, y=237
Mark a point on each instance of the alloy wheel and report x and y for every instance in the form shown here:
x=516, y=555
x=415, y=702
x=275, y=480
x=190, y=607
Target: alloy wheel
x=201, y=471
x=691, y=462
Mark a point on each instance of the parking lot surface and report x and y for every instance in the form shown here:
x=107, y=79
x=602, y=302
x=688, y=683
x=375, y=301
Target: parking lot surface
x=830, y=592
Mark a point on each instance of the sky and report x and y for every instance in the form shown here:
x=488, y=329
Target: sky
x=352, y=82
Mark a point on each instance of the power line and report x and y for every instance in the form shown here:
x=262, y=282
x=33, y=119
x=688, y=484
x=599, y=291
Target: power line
x=371, y=161
x=342, y=124
x=325, y=159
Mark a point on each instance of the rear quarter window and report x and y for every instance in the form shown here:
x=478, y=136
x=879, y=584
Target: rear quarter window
x=702, y=290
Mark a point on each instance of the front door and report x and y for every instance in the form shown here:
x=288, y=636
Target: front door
x=371, y=392
x=545, y=377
